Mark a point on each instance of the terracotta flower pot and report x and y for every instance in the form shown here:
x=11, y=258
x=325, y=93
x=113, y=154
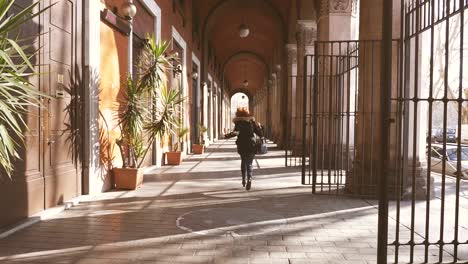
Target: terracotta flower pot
x=128, y=178
x=198, y=149
x=174, y=157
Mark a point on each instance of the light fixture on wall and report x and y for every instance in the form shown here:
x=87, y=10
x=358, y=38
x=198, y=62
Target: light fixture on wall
x=194, y=75
x=278, y=67
x=245, y=83
x=243, y=31
x=177, y=69
x=129, y=11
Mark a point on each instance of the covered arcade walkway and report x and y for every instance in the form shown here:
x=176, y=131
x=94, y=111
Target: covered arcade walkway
x=200, y=213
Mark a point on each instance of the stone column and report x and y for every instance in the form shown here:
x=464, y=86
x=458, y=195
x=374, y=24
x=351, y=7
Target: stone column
x=278, y=104
x=275, y=107
x=306, y=34
x=365, y=172
x=337, y=22
x=291, y=50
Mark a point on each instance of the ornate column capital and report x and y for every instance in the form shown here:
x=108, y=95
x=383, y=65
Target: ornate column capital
x=306, y=32
x=291, y=50
x=337, y=6
x=340, y=6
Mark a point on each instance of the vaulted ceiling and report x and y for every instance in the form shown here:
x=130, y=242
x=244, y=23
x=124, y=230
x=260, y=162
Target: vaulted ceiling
x=244, y=58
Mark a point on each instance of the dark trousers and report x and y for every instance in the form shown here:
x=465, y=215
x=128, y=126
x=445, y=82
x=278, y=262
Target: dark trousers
x=246, y=165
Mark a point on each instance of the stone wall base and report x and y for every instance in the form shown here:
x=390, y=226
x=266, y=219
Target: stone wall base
x=363, y=181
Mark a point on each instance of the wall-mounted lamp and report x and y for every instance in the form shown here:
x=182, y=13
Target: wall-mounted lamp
x=273, y=76
x=194, y=75
x=245, y=83
x=177, y=69
x=128, y=10
x=278, y=67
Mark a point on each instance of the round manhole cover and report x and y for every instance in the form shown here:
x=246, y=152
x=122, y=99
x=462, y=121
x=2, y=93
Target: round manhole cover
x=233, y=221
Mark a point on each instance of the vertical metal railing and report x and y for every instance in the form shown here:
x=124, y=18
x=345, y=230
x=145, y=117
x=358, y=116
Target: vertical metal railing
x=292, y=154
x=427, y=211
x=385, y=110
x=372, y=107
x=331, y=92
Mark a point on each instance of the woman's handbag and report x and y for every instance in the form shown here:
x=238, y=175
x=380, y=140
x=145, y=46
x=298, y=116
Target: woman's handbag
x=261, y=146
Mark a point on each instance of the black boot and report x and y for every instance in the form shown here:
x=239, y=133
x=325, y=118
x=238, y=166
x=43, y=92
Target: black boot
x=249, y=183
x=243, y=180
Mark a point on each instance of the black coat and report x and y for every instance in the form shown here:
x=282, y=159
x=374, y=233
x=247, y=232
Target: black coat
x=245, y=130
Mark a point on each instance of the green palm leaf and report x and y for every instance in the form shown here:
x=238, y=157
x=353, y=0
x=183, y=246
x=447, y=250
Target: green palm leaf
x=16, y=93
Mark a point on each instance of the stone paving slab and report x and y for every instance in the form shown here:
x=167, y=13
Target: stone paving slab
x=200, y=213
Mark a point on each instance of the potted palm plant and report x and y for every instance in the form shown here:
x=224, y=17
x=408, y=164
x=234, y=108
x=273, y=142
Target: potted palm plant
x=200, y=148
x=175, y=157
x=149, y=110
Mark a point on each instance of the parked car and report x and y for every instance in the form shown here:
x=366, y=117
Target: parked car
x=451, y=159
x=437, y=135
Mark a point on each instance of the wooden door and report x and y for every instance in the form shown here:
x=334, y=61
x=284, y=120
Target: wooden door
x=23, y=194
x=46, y=174
x=62, y=130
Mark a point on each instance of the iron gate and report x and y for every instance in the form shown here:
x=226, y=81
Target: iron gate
x=292, y=158
x=429, y=224
x=426, y=173
x=330, y=127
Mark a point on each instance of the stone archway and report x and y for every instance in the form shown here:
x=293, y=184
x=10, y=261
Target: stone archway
x=245, y=91
x=239, y=100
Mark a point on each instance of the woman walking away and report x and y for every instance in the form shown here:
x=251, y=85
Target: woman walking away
x=245, y=130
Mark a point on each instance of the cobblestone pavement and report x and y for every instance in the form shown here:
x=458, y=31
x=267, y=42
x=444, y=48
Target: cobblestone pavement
x=200, y=213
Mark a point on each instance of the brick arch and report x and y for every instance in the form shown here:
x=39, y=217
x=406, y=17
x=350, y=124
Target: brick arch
x=267, y=24
x=241, y=90
x=246, y=65
x=218, y=5
x=243, y=53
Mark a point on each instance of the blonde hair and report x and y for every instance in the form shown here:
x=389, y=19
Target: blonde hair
x=242, y=112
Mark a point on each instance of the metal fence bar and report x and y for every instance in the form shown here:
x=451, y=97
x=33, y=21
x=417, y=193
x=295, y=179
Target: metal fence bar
x=340, y=86
x=444, y=134
x=385, y=97
x=459, y=124
x=361, y=113
x=311, y=107
x=314, y=124
x=304, y=119
x=429, y=160
x=414, y=132
x=348, y=110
